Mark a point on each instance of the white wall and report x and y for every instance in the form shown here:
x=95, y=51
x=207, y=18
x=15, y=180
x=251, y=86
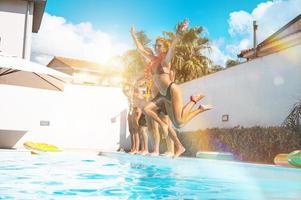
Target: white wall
x=12, y=21
x=80, y=117
x=259, y=92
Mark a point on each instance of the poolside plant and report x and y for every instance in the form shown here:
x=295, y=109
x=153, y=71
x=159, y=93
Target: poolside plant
x=253, y=144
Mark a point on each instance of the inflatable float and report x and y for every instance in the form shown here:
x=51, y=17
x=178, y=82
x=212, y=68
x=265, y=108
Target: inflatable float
x=292, y=159
x=40, y=147
x=215, y=155
x=281, y=160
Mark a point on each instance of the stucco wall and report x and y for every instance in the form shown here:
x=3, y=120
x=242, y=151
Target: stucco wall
x=260, y=92
x=80, y=117
x=12, y=21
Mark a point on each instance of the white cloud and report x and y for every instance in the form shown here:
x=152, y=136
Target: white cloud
x=234, y=49
x=57, y=37
x=270, y=17
x=215, y=54
x=239, y=23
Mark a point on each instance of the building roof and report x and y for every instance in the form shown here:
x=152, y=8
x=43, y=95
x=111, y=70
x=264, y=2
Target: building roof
x=82, y=65
x=87, y=72
x=287, y=36
x=38, y=11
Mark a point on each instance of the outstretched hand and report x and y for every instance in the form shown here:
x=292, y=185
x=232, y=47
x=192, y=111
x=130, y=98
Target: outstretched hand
x=132, y=30
x=184, y=25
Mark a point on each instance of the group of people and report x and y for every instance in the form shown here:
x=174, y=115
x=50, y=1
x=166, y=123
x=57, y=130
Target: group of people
x=163, y=109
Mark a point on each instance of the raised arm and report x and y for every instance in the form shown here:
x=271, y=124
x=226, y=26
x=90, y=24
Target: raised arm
x=166, y=61
x=147, y=55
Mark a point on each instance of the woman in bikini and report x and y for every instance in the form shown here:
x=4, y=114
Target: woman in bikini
x=170, y=92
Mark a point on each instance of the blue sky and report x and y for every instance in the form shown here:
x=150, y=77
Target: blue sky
x=152, y=16
x=87, y=24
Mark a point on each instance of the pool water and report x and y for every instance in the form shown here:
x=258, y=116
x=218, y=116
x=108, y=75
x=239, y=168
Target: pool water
x=122, y=176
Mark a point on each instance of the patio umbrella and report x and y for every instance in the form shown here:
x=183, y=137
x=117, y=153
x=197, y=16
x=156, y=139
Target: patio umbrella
x=21, y=72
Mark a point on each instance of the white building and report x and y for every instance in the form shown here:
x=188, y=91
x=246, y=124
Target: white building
x=79, y=117
x=18, y=19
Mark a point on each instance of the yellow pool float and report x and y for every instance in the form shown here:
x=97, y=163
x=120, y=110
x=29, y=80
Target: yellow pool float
x=44, y=147
x=292, y=159
x=281, y=160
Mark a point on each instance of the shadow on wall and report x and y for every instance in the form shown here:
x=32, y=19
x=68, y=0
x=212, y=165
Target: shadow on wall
x=9, y=138
x=123, y=127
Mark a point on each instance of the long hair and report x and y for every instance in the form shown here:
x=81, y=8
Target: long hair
x=165, y=42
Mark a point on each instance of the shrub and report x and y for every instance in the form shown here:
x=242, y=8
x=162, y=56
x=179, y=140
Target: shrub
x=255, y=144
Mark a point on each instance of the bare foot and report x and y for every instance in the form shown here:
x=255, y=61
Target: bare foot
x=167, y=154
x=179, y=151
x=153, y=154
x=143, y=153
x=205, y=107
x=133, y=152
x=196, y=98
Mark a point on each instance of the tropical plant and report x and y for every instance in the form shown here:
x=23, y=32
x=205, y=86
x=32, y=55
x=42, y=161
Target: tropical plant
x=292, y=121
x=215, y=68
x=189, y=61
x=231, y=63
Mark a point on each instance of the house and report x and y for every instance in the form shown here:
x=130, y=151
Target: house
x=19, y=19
x=87, y=72
x=287, y=36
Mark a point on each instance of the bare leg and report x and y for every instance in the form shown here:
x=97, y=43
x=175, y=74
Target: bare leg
x=137, y=142
x=156, y=136
x=152, y=126
x=179, y=148
x=135, y=125
x=197, y=111
x=150, y=109
x=177, y=105
x=130, y=123
x=144, y=149
x=170, y=147
x=193, y=100
x=180, y=116
x=169, y=143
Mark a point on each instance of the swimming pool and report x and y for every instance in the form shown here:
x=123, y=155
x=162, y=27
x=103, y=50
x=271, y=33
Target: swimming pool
x=122, y=176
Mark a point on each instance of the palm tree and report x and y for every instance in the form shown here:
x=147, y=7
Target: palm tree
x=215, y=68
x=189, y=62
x=231, y=63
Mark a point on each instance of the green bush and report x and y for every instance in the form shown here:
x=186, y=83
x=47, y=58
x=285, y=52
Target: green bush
x=255, y=144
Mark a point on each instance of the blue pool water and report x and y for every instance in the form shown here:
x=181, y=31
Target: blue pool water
x=122, y=176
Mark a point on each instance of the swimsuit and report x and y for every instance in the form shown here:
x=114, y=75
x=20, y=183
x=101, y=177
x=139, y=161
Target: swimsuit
x=142, y=120
x=167, y=96
x=156, y=67
x=159, y=102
